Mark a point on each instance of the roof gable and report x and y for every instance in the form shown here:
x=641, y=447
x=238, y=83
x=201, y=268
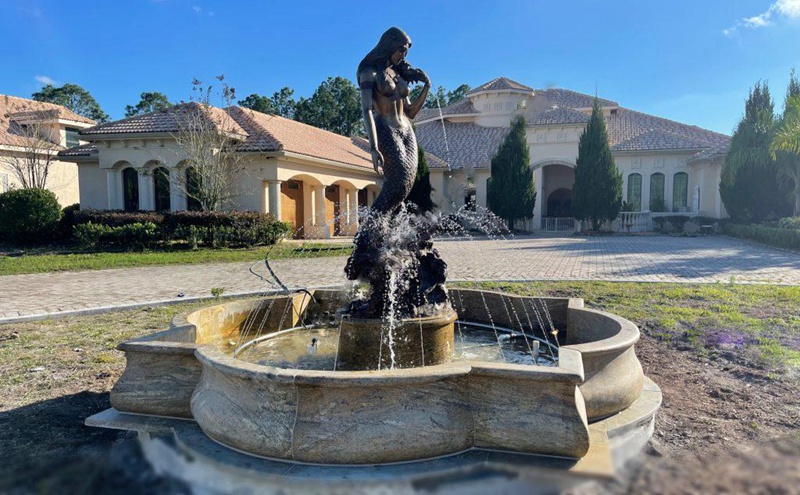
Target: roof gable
x=501, y=84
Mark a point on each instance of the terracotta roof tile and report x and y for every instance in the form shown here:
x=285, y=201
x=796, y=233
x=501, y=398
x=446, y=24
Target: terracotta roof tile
x=13, y=108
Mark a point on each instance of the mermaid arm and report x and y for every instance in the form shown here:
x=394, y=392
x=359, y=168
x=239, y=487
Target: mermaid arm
x=366, y=83
x=413, y=108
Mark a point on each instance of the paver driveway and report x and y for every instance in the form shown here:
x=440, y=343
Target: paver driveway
x=618, y=258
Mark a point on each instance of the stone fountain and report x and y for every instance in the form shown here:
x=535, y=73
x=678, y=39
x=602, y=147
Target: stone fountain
x=321, y=386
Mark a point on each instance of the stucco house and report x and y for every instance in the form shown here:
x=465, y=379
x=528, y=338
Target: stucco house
x=28, y=127
x=311, y=178
x=667, y=167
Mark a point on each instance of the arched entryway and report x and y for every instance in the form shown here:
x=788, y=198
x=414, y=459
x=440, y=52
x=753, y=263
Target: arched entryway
x=559, y=203
x=292, y=206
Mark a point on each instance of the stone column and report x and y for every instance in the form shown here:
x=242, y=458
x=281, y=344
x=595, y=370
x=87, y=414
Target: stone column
x=114, y=186
x=319, y=229
x=177, y=201
x=145, y=190
x=274, y=198
x=538, y=211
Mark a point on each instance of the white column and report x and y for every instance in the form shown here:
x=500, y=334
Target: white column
x=538, y=175
x=274, y=198
x=177, y=201
x=145, y=190
x=114, y=186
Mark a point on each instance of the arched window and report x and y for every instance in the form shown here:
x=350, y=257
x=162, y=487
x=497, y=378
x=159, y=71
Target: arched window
x=130, y=189
x=193, y=190
x=161, y=189
x=635, y=191
x=657, y=192
x=680, y=191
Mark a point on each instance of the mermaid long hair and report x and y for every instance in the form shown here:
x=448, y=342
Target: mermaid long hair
x=392, y=40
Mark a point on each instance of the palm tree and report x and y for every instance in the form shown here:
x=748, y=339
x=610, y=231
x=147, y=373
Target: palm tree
x=785, y=145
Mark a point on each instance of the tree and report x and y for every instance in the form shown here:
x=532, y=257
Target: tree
x=257, y=103
x=597, y=193
x=207, y=138
x=441, y=96
x=335, y=106
x=420, y=194
x=511, y=189
x=73, y=97
x=280, y=103
x=785, y=145
x=749, y=180
x=148, y=102
x=35, y=148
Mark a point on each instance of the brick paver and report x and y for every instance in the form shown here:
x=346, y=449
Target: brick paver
x=615, y=258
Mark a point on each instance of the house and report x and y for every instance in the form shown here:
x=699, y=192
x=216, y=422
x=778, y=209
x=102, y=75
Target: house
x=667, y=167
x=311, y=178
x=31, y=134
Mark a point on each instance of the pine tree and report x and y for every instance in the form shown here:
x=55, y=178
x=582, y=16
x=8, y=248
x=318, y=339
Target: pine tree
x=597, y=193
x=511, y=190
x=749, y=179
x=420, y=193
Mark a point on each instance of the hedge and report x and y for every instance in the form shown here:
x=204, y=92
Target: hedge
x=783, y=238
x=29, y=215
x=789, y=223
x=95, y=228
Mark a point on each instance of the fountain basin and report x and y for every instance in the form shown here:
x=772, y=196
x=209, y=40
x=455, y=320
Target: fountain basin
x=384, y=416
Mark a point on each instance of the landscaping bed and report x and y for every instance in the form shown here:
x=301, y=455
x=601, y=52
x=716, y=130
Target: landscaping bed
x=725, y=357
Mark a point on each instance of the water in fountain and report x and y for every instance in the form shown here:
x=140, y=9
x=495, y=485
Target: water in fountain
x=531, y=324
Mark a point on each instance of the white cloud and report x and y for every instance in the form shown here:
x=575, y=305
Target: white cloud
x=197, y=9
x=46, y=80
x=789, y=9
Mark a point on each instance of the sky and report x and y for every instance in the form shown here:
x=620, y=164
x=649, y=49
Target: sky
x=688, y=60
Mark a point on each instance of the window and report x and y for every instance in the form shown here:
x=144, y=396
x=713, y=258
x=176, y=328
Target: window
x=161, y=189
x=635, y=191
x=130, y=189
x=657, y=192
x=193, y=190
x=72, y=137
x=680, y=191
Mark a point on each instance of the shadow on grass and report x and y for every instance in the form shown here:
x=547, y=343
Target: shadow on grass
x=46, y=448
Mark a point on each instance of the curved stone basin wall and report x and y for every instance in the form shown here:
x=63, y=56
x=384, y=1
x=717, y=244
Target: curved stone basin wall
x=384, y=416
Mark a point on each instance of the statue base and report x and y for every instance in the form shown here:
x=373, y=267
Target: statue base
x=370, y=343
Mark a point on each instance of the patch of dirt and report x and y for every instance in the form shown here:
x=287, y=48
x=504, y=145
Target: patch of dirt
x=726, y=425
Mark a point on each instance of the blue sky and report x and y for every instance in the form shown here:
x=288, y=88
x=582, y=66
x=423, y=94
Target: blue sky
x=692, y=61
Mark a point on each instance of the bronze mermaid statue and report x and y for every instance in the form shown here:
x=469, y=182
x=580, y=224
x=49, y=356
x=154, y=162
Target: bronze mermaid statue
x=384, y=78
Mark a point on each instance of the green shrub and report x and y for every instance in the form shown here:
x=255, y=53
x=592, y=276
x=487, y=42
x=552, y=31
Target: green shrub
x=67, y=221
x=116, y=218
x=135, y=236
x=789, y=223
x=29, y=215
x=784, y=238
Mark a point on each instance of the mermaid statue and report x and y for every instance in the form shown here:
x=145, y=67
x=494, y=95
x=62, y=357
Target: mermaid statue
x=393, y=249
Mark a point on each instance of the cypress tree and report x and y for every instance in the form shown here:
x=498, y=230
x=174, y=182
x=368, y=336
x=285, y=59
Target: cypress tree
x=420, y=194
x=597, y=193
x=511, y=189
x=749, y=180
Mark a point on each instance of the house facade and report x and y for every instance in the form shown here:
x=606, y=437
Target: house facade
x=311, y=178
x=667, y=167
x=31, y=128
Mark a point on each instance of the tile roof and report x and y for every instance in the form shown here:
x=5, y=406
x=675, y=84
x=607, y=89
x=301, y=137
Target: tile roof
x=559, y=97
x=629, y=130
x=274, y=133
x=170, y=120
x=434, y=161
x=711, y=152
x=15, y=108
x=463, y=107
x=559, y=116
x=82, y=150
x=467, y=143
x=257, y=132
x=501, y=84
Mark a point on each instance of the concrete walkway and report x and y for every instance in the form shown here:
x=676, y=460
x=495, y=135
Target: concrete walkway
x=708, y=259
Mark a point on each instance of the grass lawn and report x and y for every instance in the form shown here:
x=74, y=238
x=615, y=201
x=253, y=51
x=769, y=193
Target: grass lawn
x=45, y=262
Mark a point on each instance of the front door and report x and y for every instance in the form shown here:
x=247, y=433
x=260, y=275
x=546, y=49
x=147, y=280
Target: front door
x=292, y=206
